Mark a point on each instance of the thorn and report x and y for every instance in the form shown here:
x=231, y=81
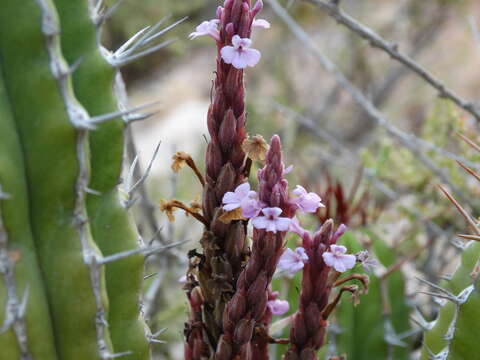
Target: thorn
x=141, y=39
x=146, y=251
x=150, y=275
x=436, y=287
x=127, y=43
x=390, y=336
x=109, y=12
x=156, y=341
x=462, y=211
x=469, y=170
x=147, y=171
x=113, y=115
x=127, y=60
x=159, y=332
x=468, y=141
x=163, y=31
x=74, y=67
x=117, y=355
x=22, y=308
x=469, y=237
x=155, y=235
x=139, y=117
x=92, y=192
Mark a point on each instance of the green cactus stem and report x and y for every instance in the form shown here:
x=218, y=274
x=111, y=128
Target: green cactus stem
x=51, y=126
x=111, y=224
x=22, y=294
x=454, y=334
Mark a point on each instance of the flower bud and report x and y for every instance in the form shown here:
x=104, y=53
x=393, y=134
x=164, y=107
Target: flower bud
x=244, y=331
x=227, y=132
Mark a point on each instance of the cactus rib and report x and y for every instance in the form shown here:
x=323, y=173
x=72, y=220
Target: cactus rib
x=79, y=118
x=15, y=308
x=112, y=226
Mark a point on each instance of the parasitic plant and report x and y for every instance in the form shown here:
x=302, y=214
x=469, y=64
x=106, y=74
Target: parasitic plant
x=228, y=284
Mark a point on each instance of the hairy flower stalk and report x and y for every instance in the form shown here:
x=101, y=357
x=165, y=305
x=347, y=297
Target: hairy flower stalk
x=224, y=244
x=309, y=323
x=247, y=310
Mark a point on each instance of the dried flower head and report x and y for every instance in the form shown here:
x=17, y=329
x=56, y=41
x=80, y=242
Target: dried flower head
x=168, y=208
x=180, y=160
x=255, y=147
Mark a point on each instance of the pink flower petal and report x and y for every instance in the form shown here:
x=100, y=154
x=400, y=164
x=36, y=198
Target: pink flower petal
x=296, y=228
x=260, y=222
x=230, y=207
x=283, y=223
x=337, y=258
x=228, y=54
x=306, y=202
x=261, y=23
x=292, y=261
x=338, y=249
x=274, y=212
x=252, y=56
x=278, y=307
x=240, y=60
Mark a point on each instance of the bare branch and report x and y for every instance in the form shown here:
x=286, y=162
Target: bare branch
x=392, y=49
x=357, y=95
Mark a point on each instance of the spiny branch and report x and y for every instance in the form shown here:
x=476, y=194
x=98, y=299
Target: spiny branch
x=358, y=96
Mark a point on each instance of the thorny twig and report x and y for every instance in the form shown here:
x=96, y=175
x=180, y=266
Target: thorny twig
x=358, y=96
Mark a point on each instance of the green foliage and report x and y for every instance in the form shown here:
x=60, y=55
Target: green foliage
x=56, y=234
x=371, y=329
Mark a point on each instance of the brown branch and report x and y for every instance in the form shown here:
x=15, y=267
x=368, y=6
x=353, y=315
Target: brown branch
x=392, y=49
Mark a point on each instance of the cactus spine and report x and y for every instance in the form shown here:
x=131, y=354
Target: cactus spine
x=76, y=308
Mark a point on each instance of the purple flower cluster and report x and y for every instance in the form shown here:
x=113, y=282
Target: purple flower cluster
x=268, y=218
x=239, y=54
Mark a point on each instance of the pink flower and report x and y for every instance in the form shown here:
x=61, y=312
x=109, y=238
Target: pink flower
x=261, y=23
x=293, y=261
x=278, y=307
x=243, y=198
x=337, y=258
x=272, y=221
x=306, y=202
x=366, y=259
x=296, y=228
x=240, y=55
x=209, y=28
x=288, y=170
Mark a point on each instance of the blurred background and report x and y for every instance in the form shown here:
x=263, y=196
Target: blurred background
x=369, y=180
